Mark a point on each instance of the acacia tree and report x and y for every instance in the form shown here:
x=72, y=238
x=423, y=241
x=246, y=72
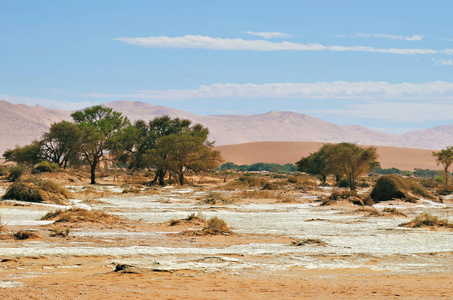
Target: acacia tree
x=351, y=160
x=62, y=143
x=166, y=145
x=189, y=151
x=316, y=164
x=26, y=155
x=97, y=124
x=444, y=157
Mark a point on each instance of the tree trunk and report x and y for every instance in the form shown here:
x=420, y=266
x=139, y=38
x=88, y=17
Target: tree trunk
x=446, y=176
x=161, y=177
x=93, y=173
x=181, y=178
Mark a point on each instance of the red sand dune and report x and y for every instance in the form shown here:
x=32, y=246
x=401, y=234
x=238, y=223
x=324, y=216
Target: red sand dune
x=290, y=152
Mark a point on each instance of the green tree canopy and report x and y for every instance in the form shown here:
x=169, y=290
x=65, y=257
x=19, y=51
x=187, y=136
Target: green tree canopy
x=444, y=157
x=316, y=164
x=98, y=125
x=62, y=143
x=351, y=160
x=167, y=145
x=26, y=155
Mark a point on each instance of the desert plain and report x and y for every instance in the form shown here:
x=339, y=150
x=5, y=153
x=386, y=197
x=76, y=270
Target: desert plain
x=281, y=242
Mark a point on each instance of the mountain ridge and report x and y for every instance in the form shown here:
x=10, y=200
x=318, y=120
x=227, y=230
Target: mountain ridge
x=20, y=124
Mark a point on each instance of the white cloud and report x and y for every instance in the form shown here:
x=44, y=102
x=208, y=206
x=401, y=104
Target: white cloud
x=414, y=37
x=206, y=42
x=395, y=111
x=319, y=90
x=58, y=104
x=448, y=62
x=269, y=35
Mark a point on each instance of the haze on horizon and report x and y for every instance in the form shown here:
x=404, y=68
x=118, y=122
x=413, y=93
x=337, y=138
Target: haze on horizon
x=385, y=65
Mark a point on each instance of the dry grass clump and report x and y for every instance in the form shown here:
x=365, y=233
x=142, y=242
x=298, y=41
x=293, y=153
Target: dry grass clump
x=445, y=190
x=76, y=215
x=393, y=211
x=427, y=220
x=308, y=241
x=45, y=166
x=24, y=235
x=132, y=190
x=373, y=212
x=2, y=227
x=214, y=198
x=216, y=226
x=347, y=195
x=286, y=199
x=370, y=211
x=15, y=173
x=256, y=194
x=394, y=187
x=192, y=219
x=60, y=232
x=45, y=191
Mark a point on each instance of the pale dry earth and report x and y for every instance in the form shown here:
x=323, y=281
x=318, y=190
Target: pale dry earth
x=363, y=257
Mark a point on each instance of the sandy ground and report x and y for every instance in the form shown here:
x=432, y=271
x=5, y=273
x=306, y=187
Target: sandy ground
x=94, y=278
x=255, y=262
x=290, y=152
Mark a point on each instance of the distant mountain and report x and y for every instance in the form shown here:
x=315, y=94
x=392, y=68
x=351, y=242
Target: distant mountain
x=20, y=124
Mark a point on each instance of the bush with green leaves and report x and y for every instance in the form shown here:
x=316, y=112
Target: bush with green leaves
x=16, y=172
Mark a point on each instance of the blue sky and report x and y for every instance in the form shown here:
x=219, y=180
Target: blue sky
x=383, y=64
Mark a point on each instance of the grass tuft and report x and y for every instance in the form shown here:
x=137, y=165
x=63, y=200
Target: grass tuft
x=24, y=235
x=427, y=220
x=75, y=215
x=216, y=226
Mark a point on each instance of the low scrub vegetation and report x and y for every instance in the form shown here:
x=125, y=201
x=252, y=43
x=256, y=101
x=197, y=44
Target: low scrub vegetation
x=15, y=173
x=24, y=235
x=348, y=195
x=214, y=198
x=427, y=220
x=75, y=215
x=45, y=166
x=216, y=226
x=390, y=187
x=45, y=191
x=57, y=232
x=307, y=241
x=373, y=212
x=192, y=219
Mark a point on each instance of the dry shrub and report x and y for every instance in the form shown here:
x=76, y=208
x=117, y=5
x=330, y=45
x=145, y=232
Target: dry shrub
x=133, y=190
x=271, y=186
x=394, y=211
x=427, y=220
x=60, y=232
x=216, y=226
x=308, y=241
x=373, y=212
x=394, y=187
x=75, y=215
x=256, y=194
x=214, y=198
x=192, y=219
x=370, y=211
x=45, y=191
x=45, y=166
x=445, y=190
x=15, y=173
x=286, y=199
x=24, y=235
